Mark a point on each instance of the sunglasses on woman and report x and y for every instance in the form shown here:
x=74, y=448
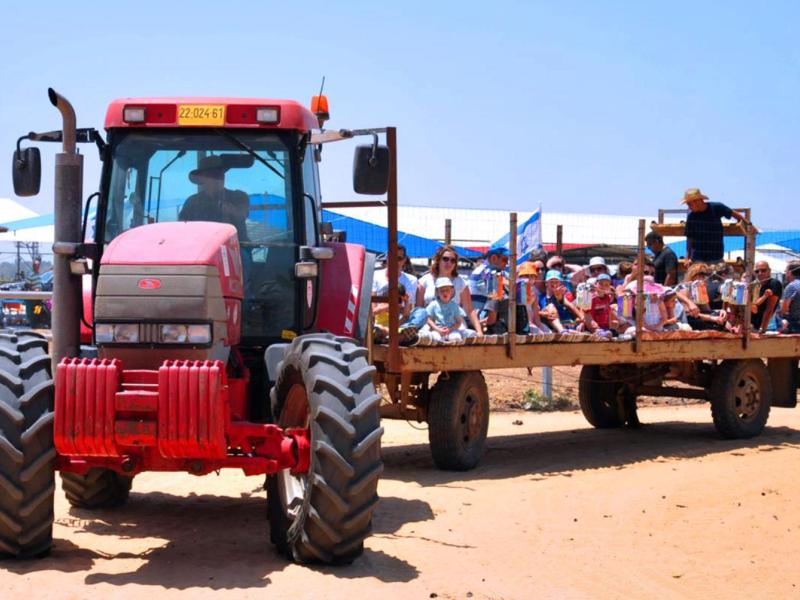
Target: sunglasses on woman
x=450, y=259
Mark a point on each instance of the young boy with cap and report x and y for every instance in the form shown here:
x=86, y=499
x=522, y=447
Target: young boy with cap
x=557, y=311
x=445, y=319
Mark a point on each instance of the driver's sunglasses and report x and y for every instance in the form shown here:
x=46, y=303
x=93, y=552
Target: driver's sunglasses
x=448, y=259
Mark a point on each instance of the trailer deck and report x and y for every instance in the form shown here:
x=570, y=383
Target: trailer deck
x=691, y=347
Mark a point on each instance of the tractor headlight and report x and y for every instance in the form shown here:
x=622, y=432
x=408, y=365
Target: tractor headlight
x=174, y=334
x=126, y=333
x=104, y=333
x=119, y=333
x=199, y=334
x=185, y=334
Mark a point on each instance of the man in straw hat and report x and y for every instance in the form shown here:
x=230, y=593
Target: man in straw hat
x=213, y=201
x=704, y=226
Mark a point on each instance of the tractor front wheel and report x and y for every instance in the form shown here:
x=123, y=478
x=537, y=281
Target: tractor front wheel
x=99, y=488
x=325, y=384
x=26, y=446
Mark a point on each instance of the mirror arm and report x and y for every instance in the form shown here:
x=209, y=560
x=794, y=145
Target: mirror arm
x=373, y=160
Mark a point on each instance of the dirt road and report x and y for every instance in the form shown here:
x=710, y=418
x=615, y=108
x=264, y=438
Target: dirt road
x=555, y=510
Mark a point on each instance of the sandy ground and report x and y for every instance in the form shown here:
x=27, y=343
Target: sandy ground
x=555, y=510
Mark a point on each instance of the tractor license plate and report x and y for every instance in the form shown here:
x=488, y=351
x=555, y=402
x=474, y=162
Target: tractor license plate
x=201, y=114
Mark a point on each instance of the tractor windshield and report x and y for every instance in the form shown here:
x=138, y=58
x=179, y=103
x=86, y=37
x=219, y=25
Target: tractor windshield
x=180, y=175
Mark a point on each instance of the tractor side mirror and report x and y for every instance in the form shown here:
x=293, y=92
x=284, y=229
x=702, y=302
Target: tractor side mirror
x=371, y=170
x=26, y=171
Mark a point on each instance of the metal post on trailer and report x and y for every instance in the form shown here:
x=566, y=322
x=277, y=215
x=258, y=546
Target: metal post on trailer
x=559, y=239
x=392, y=272
x=749, y=265
x=448, y=237
x=640, y=289
x=512, y=287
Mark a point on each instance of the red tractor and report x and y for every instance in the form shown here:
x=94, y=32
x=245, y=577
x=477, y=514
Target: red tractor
x=200, y=322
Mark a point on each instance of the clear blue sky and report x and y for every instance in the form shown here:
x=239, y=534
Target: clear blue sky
x=612, y=107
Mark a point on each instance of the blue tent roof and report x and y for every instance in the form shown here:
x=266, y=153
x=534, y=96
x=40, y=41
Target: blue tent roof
x=789, y=238
x=376, y=238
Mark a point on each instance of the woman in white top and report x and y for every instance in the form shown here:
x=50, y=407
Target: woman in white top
x=444, y=265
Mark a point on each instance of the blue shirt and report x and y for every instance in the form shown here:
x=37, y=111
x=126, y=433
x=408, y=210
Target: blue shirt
x=792, y=292
x=444, y=315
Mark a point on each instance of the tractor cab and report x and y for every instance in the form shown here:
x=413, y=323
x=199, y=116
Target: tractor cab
x=248, y=165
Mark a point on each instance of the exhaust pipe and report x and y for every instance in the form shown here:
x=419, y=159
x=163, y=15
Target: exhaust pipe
x=67, y=288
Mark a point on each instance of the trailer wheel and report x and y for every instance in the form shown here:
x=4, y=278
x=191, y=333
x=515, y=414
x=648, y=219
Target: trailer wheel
x=741, y=395
x=26, y=446
x=99, y=488
x=458, y=420
x=325, y=383
x=599, y=398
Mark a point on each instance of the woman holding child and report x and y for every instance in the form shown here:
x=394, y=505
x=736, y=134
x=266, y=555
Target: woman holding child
x=444, y=264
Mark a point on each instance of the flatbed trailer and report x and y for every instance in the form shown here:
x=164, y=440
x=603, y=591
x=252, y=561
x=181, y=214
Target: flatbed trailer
x=741, y=375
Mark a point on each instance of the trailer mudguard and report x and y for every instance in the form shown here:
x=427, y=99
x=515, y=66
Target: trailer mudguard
x=783, y=372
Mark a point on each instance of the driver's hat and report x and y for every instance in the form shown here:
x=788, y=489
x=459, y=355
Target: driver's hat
x=209, y=166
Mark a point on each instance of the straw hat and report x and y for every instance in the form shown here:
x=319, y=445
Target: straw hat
x=693, y=194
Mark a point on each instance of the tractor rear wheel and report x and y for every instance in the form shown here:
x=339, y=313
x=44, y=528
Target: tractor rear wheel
x=26, y=445
x=741, y=395
x=99, y=488
x=599, y=398
x=325, y=383
x=458, y=420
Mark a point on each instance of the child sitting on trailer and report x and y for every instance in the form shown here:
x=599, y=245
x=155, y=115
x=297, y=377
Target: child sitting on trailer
x=528, y=300
x=601, y=318
x=557, y=311
x=445, y=317
x=655, y=312
x=380, y=310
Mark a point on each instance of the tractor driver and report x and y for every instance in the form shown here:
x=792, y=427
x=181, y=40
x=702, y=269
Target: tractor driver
x=213, y=201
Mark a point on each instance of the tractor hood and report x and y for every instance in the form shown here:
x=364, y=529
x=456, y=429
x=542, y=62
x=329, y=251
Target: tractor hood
x=183, y=243
x=159, y=283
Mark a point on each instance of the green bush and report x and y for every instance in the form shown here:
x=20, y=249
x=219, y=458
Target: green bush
x=534, y=400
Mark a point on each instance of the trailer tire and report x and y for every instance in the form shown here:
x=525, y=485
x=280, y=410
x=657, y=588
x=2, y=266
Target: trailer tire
x=741, y=396
x=27, y=450
x=99, y=488
x=458, y=420
x=325, y=383
x=599, y=398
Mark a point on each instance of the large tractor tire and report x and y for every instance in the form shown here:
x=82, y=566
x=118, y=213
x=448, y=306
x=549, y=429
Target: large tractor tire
x=325, y=383
x=741, y=396
x=99, y=488
x=599, y=398
x=26, y=446
x=458, y=420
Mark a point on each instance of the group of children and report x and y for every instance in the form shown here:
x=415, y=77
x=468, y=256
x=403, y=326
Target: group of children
x=593, y=306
